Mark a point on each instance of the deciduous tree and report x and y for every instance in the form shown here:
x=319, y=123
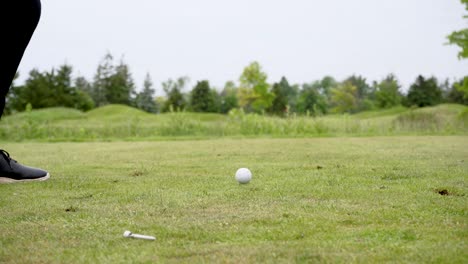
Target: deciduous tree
x=344, y=98
x=228, y=97
x=311, y=100
x=175, y=100
x=460, y=38
x=253, y=93
x=388, y=92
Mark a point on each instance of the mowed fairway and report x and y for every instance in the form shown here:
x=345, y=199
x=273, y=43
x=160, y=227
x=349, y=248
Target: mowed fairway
x=378, y=199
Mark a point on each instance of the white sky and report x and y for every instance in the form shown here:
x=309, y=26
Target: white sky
x=303, y=40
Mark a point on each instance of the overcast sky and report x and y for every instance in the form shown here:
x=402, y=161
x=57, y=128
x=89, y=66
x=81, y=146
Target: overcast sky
x=303, y=40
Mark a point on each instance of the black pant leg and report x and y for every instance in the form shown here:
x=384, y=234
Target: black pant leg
x=19, y=19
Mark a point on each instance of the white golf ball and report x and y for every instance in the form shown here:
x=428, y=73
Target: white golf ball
x=243, y=175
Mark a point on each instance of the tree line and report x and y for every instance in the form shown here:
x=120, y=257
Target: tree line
x=113, y=84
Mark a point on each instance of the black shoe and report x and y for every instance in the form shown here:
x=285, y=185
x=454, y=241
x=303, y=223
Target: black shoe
x=12, y=171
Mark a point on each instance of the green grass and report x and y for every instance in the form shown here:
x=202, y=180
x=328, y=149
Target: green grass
x=117, y=122
x=383, y=112
x=48, y=115
x=332, y=200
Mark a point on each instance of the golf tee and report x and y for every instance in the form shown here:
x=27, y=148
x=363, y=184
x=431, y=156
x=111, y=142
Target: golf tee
x=143, y=237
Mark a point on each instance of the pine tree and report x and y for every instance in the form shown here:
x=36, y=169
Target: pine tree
x=122, y=88
x=145, y=99
x=202, y=98
x=102, y=80
x=113, y=84
x=424, y=92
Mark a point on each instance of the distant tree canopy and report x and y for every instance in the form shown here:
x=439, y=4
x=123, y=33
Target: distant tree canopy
x=113, y=84
x=345, y=98
x=144, y=100
x=388, y=93
x=228, y=97
x=49, y=89
x=284, y=97
x=203, y=99
x=254, y=91
x=363, y=92
x=460, y=38
x=455, y=94
x=175, y=99
x=313, y=99
x=424, y=92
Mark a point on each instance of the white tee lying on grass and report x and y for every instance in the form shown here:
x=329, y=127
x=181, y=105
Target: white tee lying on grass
x=131, y=235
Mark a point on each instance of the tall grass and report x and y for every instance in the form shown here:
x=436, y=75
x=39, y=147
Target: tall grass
x=125, y=123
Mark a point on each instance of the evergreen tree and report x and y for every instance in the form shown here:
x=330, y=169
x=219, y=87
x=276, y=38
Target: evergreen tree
x=424, y=92
x=49, y=89
x=202, y=98
x=280, y=103
x=61, y=88
x=145, y=99
x=35, y=91
x=285, y=97
x=122, y=88
x=113, y=84
x=102, y=80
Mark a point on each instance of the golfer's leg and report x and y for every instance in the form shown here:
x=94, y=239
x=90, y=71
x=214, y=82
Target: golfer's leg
x=18, y=20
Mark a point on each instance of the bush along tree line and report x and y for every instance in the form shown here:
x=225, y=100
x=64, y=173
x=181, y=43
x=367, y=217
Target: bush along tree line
x=113, y=84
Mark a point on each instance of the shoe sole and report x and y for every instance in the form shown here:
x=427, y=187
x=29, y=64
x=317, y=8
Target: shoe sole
x=10, y=180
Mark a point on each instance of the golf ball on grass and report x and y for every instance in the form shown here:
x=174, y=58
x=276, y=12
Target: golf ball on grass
x=243, y=175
